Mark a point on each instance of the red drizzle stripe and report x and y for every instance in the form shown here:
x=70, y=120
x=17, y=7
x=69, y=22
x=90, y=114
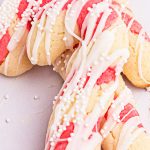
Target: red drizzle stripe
x=3, y=47
x=44, y=2
x=140, y=125
x=136, y=26
x=111, y=19
x=97, y=126
x=66, y=134
x=22, y=7
x=126, y=110
x=107, y=76
x=84, y=11
x=66, y=5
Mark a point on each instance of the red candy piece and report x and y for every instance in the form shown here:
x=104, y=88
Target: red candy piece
x=66, y=134
x=3, y=47
x=107, y=76
x=126, y=110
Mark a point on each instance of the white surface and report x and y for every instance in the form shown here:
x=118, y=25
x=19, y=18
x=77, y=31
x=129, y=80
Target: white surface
x=23, y=120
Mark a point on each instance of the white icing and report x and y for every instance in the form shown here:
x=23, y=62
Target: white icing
x=21, y=55
x=28, y=44
x=39, y=37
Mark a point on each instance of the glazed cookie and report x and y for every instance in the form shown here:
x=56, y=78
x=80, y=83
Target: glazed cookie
x=57, y=27
x=137, y=67
x=15, y=22
x=112, y=139
x=122, y=128
x=91, y=79
x=13, y=58
x=48, y=37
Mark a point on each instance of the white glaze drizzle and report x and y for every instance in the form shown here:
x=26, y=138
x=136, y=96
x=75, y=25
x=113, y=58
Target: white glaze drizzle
x=35, y=19
x=38, y=38
x=21, y=56
x=6, y=64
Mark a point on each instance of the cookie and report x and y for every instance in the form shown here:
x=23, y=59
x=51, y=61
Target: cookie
x=13, y=57
x=91, y=80
x=15, y=24
x=123, y=130
x=137, y=67
x=48, y=36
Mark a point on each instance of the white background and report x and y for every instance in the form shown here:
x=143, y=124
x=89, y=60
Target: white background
x=23, y=120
